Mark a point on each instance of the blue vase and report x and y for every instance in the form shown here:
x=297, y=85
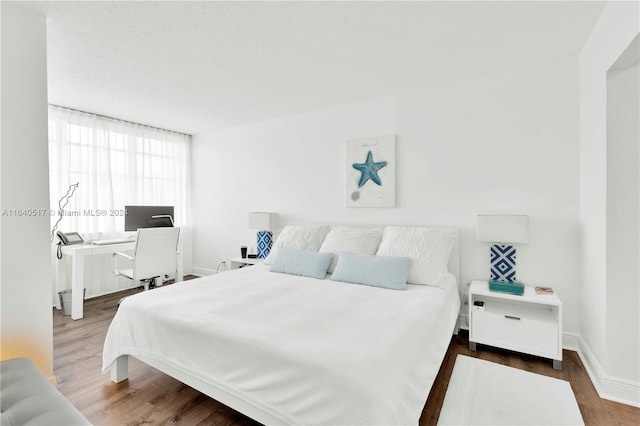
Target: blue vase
x=503, y=262
x=265, y=241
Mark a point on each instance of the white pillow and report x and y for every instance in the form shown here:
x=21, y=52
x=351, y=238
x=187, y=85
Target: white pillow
x=299, y=237
x=428, y=248
x=352, y=240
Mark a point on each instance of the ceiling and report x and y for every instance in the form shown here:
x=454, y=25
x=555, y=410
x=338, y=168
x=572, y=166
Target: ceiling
x=194, y=66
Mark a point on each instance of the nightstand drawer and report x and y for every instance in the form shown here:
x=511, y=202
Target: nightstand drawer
x=517, y=326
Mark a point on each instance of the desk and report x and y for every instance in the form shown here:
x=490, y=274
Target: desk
x=78, y=252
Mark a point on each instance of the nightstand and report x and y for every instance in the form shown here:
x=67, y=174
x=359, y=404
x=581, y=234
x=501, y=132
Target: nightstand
x=530, y=323
x=241, y=262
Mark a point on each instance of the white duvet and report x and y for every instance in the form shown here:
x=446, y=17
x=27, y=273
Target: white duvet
x=311, y=351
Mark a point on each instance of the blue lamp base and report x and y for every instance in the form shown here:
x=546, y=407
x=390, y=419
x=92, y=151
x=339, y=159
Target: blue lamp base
x=503, y=263
x=265, y=241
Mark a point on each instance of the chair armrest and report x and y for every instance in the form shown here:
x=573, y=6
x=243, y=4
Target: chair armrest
x=126, y=256
x=115, y=255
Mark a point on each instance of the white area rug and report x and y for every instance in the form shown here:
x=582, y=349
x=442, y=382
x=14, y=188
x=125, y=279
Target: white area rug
x=485, y=393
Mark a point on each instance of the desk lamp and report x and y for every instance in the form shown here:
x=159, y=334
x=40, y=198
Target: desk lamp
x=264, y=223
x=503, y=231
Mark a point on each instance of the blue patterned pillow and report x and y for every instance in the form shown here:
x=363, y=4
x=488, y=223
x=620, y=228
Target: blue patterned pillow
x=379, y=271
x=301, y=262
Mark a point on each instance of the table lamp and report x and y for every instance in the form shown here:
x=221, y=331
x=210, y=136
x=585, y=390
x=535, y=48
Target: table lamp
x=503, y=231
x=264, y=223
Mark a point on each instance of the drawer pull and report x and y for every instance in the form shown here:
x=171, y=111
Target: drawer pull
x=512, y=317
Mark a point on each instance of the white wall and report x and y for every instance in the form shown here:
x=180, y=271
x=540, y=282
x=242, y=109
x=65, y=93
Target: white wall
x=26, y=320
x=617, y=27
x=623, y=254
x=500, y=143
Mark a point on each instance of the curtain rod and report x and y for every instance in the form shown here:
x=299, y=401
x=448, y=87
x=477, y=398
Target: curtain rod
x=119, y=120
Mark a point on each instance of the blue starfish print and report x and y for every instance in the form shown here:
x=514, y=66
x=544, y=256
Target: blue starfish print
x=369, y=170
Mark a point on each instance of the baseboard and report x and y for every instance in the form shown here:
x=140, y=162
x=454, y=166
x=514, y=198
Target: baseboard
x=203, y=271
x=463, y=321
x=571, y=342
x=608, y=387
x=104, y=293
x=223, y=266
x=131, y=287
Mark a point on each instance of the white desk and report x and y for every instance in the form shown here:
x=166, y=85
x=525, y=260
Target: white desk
x=79, y=252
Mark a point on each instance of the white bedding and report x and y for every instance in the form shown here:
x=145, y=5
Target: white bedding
x=307, y=351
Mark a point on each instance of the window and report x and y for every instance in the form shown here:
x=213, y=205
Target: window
x=114, y=163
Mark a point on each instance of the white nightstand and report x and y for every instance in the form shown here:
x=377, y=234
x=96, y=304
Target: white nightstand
x=240, y=262
x=531, y=323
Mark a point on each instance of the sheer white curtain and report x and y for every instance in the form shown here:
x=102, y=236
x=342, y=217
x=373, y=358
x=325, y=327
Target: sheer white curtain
x=115, y=163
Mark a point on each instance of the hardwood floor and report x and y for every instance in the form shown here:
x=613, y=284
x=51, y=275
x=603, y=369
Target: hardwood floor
x=153, y=398
x=595, y=410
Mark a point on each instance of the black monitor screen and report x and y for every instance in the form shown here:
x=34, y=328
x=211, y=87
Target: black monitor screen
x=147, y=217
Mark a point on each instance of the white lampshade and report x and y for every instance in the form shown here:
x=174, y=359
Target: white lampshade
x=263, y=221
x=503, y=228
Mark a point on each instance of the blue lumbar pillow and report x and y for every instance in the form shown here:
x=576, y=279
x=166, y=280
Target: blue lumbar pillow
x=301, y=262
x=380, y=271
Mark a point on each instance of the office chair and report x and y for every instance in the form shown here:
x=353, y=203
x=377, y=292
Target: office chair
x=154, y=256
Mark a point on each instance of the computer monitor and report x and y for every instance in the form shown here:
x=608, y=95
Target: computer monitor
x=147, y=217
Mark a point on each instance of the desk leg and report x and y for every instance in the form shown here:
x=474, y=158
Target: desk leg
x=77, y=287
x=57, y=282
x=179, y=268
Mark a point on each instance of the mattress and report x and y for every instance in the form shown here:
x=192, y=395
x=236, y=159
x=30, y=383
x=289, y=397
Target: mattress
x=307, y=351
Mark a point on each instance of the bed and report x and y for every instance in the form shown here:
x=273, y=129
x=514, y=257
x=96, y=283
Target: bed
x=284, y=348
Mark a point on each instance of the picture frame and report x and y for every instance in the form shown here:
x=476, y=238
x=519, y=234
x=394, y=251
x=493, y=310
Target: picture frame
x=370, y=172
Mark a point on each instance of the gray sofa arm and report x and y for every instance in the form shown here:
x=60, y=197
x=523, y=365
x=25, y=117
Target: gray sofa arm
x=29, y=399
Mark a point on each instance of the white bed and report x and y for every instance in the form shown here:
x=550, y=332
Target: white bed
x=286, y=349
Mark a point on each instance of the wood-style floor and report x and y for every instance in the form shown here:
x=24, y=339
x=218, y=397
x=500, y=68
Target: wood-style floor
x=153, y=398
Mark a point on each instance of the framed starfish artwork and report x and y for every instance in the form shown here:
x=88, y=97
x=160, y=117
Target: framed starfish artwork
x=371, y=172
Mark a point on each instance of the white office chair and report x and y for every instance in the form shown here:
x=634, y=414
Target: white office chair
x=154, y=256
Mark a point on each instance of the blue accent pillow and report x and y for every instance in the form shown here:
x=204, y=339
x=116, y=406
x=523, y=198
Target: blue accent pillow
x=301, y=262
x=380, y=271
